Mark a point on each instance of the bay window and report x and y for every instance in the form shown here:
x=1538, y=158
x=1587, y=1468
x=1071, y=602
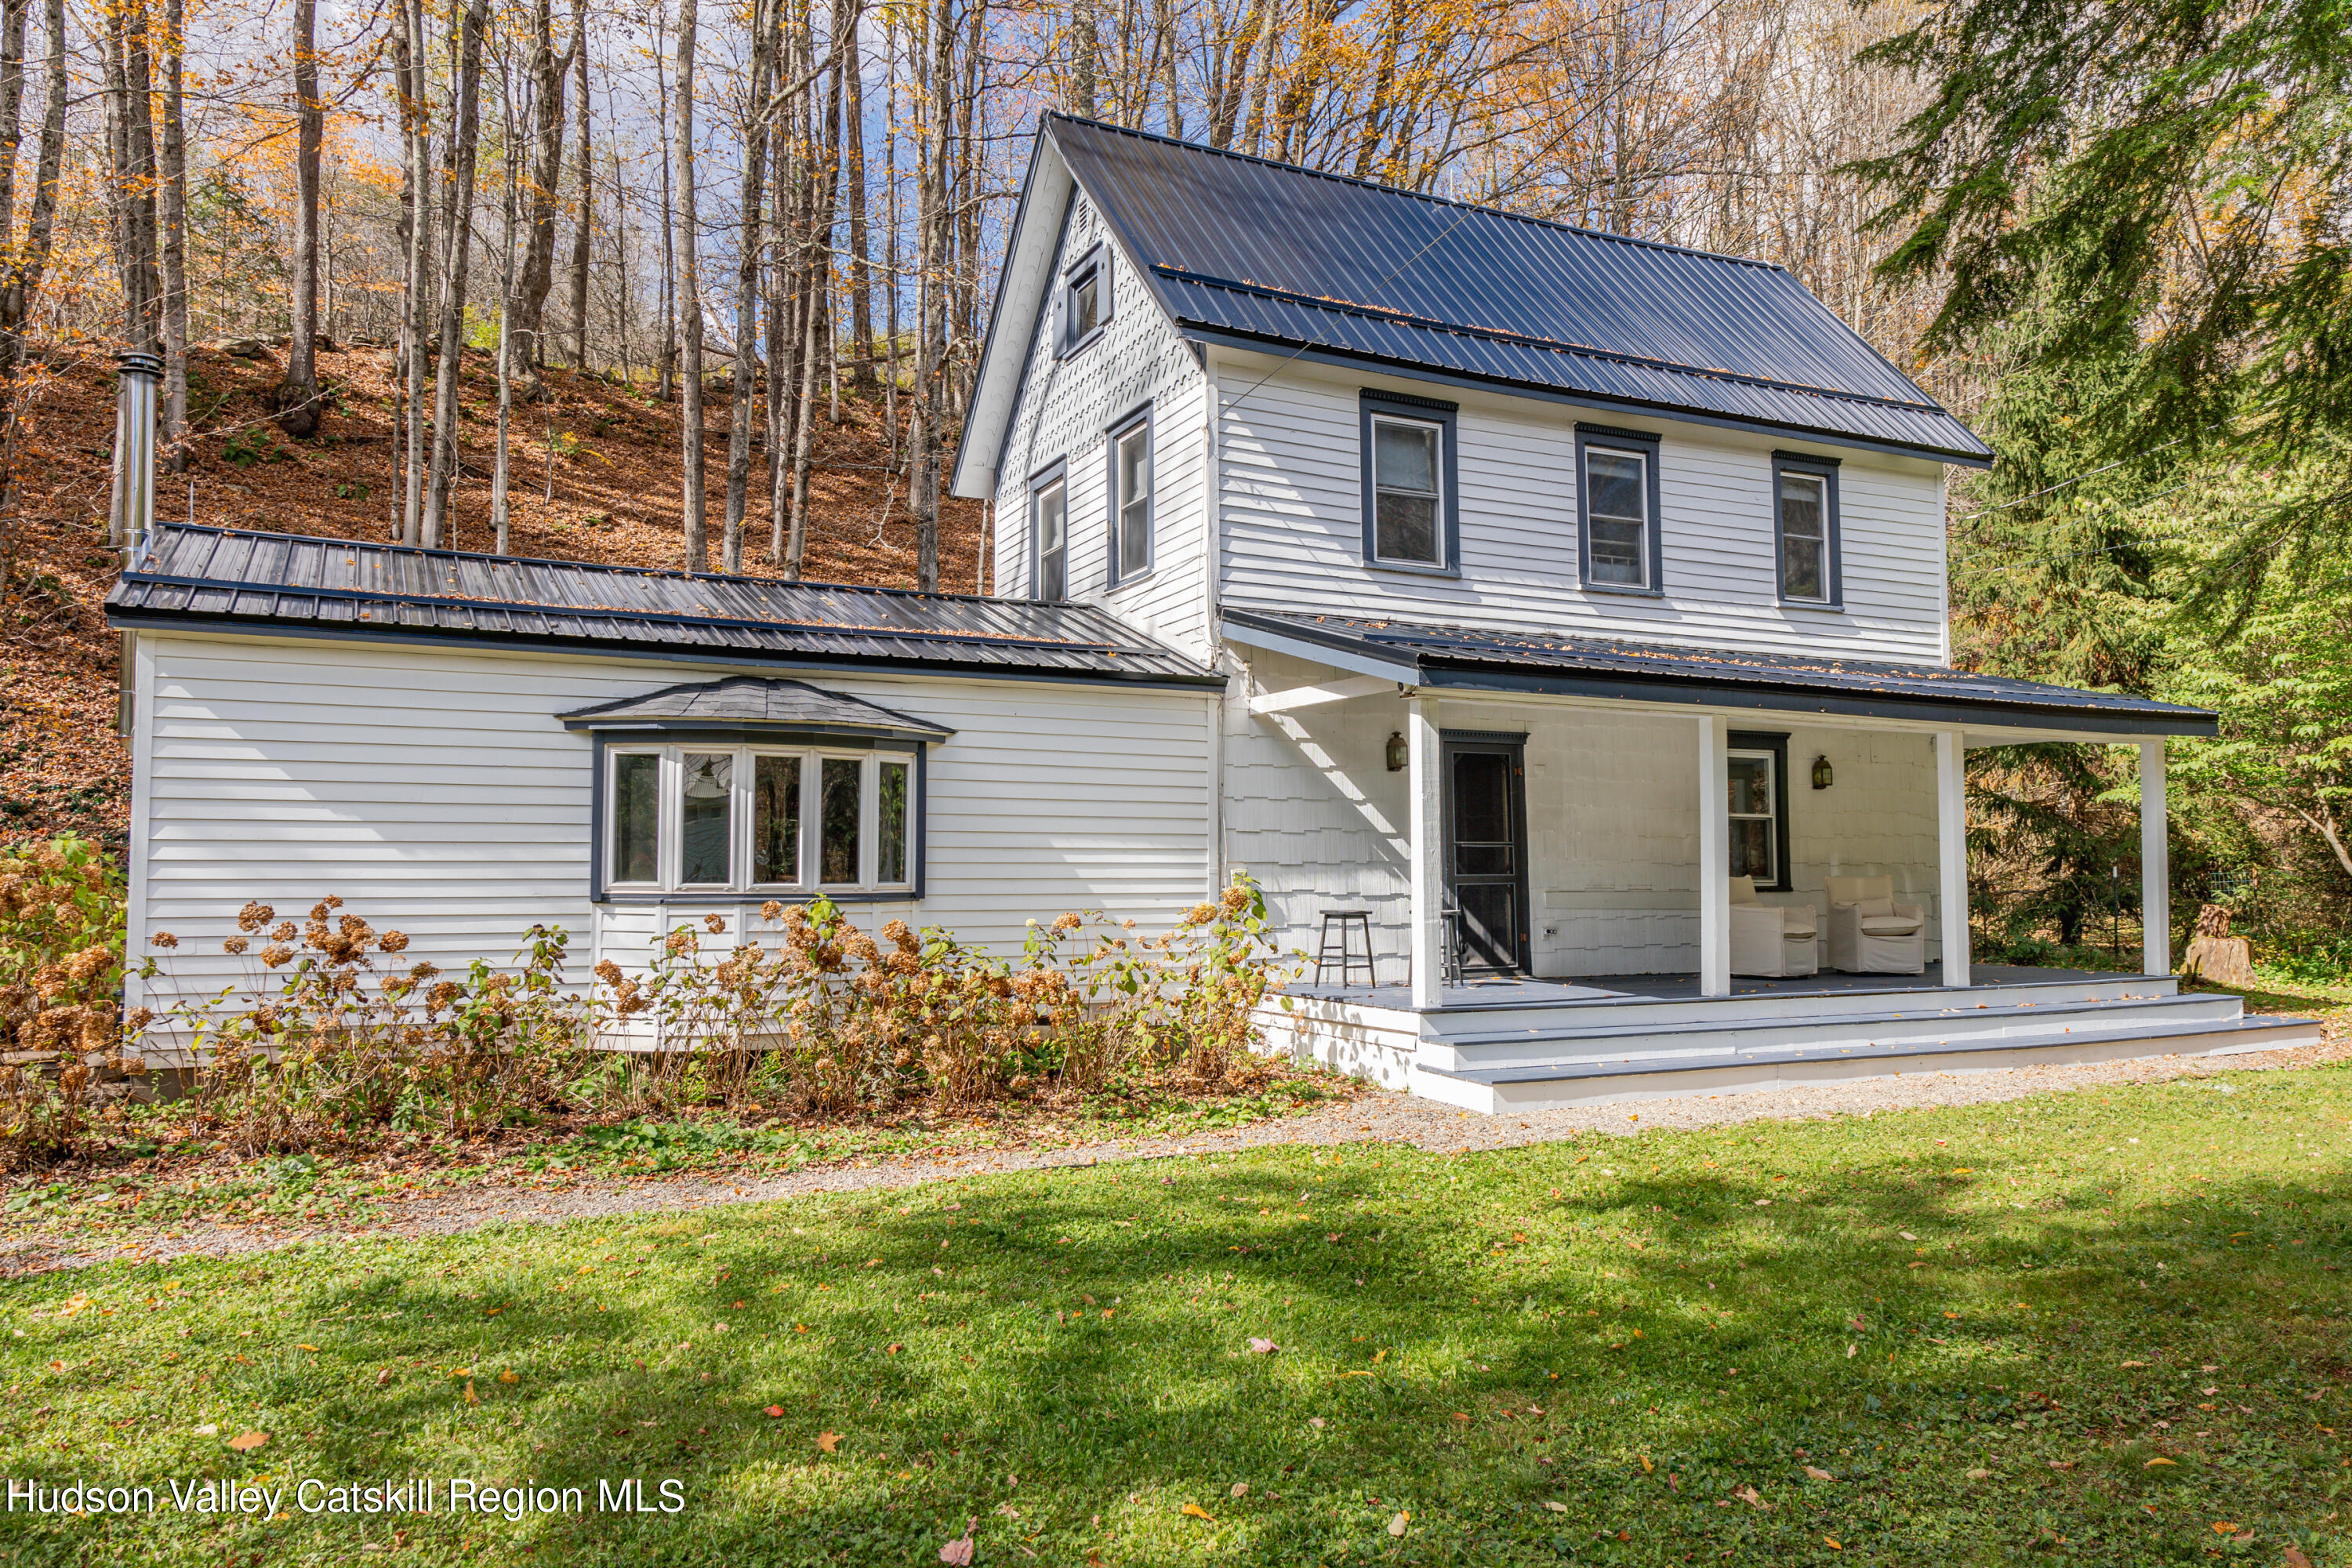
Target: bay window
x=758, y=818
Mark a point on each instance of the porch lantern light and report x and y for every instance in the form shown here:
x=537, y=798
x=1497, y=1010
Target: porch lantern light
x=1822, y=775
x=1396, y=752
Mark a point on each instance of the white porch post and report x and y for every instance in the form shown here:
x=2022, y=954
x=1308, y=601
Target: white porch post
x=1952, y=852
x=1714, y=859
x=1428, y=841
x=2155, y=863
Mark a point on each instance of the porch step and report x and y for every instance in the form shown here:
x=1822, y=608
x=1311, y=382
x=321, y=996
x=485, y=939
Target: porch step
x=1560, y=1084
x=1461, y=1020
x=1732, y=1026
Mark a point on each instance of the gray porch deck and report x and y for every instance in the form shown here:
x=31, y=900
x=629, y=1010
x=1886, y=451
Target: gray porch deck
x=1518, y=991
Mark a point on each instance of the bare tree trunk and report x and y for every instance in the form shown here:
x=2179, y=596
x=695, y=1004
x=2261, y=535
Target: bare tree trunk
x=861, y=269
x=22, y=263
x=754, y=132
x=132, y=145
x=173, y=197
x=544, y=122
x=500, y=471
x=584, y=229
x=932, y=220
x=457, y=167
x=668, y=223
x=298, y=394
x=416, y=222
x=689, y=300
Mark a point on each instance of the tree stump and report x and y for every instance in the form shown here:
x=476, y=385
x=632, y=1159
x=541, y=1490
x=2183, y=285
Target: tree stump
x=2214, y=955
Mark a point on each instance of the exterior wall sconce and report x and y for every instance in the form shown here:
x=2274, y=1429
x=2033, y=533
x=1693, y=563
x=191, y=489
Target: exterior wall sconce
x=1396, y=752
x=1822, y=775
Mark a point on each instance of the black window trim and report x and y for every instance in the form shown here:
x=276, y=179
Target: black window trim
x=785, y=736
x=1094, y=259
x=1056, y=472
x=1777, y=742
x=1644, y=444
x=1124, y=426
x=1403, y=406
x=1826, y=470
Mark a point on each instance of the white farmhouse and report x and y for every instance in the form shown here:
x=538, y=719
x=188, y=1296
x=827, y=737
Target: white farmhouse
x=1554, y=623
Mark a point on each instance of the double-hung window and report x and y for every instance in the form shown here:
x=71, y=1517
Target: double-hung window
x=1409, y=518
x=1805, y=523
x=1757, y=770
x=1130, y=498
x=759, y=819
x=1049, y=528
x=1617, y=506
x=1086, y=299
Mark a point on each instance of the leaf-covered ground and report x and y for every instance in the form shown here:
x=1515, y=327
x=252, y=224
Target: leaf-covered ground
x=2102, y=1327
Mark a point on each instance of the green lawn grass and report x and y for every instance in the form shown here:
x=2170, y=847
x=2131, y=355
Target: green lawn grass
x=2100, y=1327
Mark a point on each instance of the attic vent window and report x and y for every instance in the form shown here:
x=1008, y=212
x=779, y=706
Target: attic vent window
x=1086, y=299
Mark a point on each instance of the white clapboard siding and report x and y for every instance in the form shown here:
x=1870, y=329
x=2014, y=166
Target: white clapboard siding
x=1290, y=494
x=435, y=792
x=1064, y=405
x=1613, y=821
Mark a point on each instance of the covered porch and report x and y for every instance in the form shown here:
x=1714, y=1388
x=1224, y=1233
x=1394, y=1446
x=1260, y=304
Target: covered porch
x=1577, y=842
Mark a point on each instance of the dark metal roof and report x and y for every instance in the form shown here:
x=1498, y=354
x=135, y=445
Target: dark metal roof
x=1237, y=248
x=1462, y=656
x=226, y=578
x=744, y=700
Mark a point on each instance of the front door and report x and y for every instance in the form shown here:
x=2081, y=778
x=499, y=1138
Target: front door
x=1486, y=815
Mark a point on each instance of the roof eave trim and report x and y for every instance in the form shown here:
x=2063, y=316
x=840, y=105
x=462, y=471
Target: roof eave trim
x=1703, y=692
x=715, y=725
x=1241, y=627
x=665, y=653
x=992, y=397
x=1219, y=336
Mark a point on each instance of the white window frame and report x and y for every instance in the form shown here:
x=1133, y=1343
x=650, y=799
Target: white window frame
x=669, y=819
x=1135, y=428
x=1437, y=432
x=1059, y=481
x=1769, y=816
x=1643, y=525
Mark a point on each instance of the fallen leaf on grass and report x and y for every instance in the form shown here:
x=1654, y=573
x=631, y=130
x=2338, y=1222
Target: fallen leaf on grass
x=1241, y=1488
x=1555, y=1506
x=2152, y=1464
x=509, y=1377
x=1751, y=1496
x=1194, y=1511
x=1397, y=1525
x=2064, y=1464
x=2295, y=1559
x=469, y=1392
x=1819, y=1474
x=958, y=1552
x=247, y=1442
x=828, y=1441
x=2135, y=1363
x=1262, y=1347
x=312, y=1349
x=1980, y=1475
x=774, y=1411
x=1647, y=1468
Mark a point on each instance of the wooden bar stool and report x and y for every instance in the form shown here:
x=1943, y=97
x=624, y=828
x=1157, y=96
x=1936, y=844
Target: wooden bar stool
x=1340, y=926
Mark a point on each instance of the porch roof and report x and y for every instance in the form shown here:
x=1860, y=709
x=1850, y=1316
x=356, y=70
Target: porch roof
x=1474, y=659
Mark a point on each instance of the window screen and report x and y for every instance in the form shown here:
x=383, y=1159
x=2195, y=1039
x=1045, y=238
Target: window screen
x=1053, y=508
x=890, y=822
x=1617, y=512
x=1407, y=522
x=1804, y=537
x=1753, y=810
x=1131, y=468
x=775, y=819
x=706, y=818
x=837, y=814
x=637, y=817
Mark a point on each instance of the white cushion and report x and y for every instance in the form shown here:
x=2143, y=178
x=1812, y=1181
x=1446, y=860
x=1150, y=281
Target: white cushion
x=1889, y=924
x=1743, y=889
x=1799, y=921
x=1868, y=908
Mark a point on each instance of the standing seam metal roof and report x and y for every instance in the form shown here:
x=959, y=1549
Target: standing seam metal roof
x=1472, y=657
x=1241, y=247
x=241, y=578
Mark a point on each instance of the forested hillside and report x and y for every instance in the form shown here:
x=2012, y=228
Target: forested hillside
x=595, y=466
